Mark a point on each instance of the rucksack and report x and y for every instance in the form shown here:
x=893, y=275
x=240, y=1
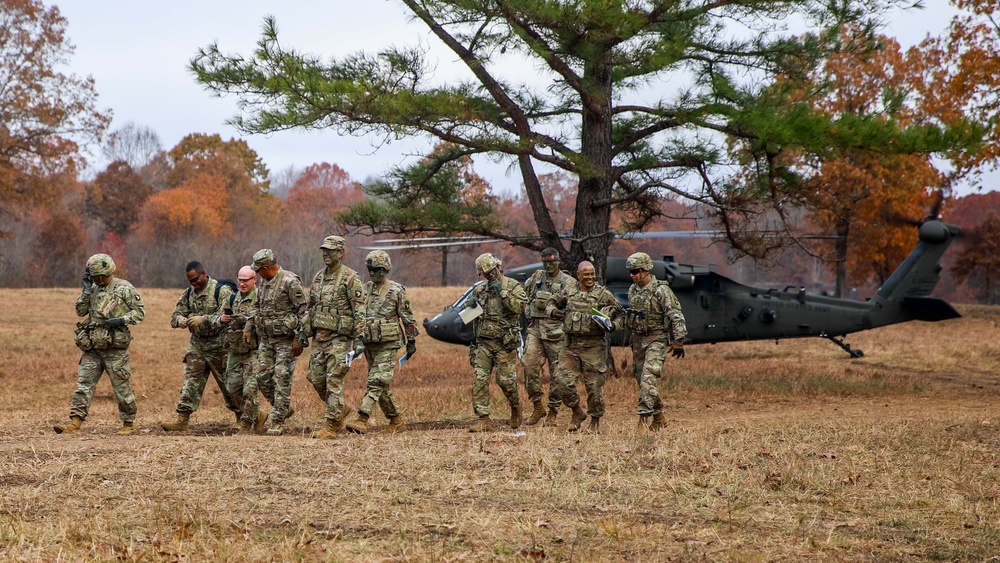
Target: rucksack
x=218, y=286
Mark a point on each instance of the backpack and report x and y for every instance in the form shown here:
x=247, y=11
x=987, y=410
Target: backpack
x=218, y=286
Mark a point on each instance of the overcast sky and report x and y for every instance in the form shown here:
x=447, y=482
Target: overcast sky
x=137, y=52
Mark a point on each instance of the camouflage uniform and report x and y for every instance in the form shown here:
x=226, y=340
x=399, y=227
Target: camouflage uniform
x=240, y=380
x=545, y=334
x=336, y=316
x=497, y=338
x=385, y=309
x=205, y=352
x=653, y=315
x=106, y=349
x=278, y=318
x=586, y=344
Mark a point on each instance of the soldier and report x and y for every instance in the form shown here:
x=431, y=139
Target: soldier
x=240, y=378
x=545, y=335
x=388, y=322
x=497, y=337
x=336, y=302
x=654, y=314
x=205, y=353
x=110, y=305
x=586, y=343
x=278, y=319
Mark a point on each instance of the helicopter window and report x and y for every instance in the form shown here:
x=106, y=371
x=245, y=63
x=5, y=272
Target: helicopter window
x=464, y=296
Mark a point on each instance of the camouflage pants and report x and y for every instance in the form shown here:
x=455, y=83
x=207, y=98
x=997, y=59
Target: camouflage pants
x=537, y=353
x=198, y=363
x=273, y=374
x=583, y=358
x=381, y=367
x=648, y=355
x=327, y=369
x=92, y=364
x=492, y=357
x=239, y=373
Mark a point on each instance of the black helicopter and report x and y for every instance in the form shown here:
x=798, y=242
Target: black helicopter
x=718, y=309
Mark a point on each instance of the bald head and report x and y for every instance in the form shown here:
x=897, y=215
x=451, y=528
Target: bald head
x=586, y=275
x=585, y=265
x=245, y=279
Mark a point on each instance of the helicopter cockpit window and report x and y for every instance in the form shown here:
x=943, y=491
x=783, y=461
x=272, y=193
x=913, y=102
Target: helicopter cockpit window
x=464, y=296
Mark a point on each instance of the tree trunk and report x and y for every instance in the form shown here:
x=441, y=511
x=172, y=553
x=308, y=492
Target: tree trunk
x=444, y=266
x=843, y=228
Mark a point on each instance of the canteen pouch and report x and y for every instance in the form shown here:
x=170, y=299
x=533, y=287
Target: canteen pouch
x=635, y=321
x=578, y=323
x=510, y=340
x=379, y=330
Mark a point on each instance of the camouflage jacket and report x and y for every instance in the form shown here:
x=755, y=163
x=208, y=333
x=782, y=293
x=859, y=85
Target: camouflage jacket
x=203, y=303
x=501, y=313
x=336, y=303
x=539, y=288
x=232, y=332
x=654, y=310
x=579, y=306
x=280, y=308
x=385, y=310
x=118, y=299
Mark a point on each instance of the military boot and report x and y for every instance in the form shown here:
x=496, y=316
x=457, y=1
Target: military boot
x=238, y=418
x=275, y=429
x=515, y=416
x=328, y=431
x=344, y=412
x=550, y=419
x=396, y=424
x=595, y=425
x=658, y=422
x=482, y=425
x=643, y=423
x=291, y=411
x=359, y=425
x=258, y=424
x=72, y=426
x=179, y=425
x=536, y=414
x=578, y=417
x=246, y=428
x=128, y=429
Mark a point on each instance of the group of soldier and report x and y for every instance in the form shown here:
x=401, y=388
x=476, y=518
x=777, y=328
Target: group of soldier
x=250, y=337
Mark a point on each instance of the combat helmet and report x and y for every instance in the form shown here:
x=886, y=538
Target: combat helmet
x=378, y=259
x=100, y=265
x=639, y=261
x=486, y=262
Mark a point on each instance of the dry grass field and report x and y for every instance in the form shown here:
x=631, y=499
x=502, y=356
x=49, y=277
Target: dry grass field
x=775, y=451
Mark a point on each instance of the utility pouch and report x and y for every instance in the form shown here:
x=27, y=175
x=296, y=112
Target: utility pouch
x=120, y=338
x=82, y=338
x=538, y=305
x=578, y=323
x=509, y=341
x=100, y=337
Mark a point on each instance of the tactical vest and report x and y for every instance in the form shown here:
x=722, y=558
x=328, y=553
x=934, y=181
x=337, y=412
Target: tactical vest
x=578, y=321
x=540, y=289
x=270, y=320
x=232, y=338
x=212, y=302
x=325, y=314
x=496, y=321
x=104, y=305
x=381, y=316
x=645, y=313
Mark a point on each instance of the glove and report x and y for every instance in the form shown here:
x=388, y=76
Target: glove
x=88, y=283
x=114, y=322
x=471, y=303
x=558, y=314
x=182, y=322
x=297, y=347
x=359, y=348
x=677, y=350
x=247, y=335
x=411, y=348
x=496, y=286
x=195, y=321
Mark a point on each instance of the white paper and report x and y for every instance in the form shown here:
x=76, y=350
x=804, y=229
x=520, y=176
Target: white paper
x=468, y=314
x=604, y=322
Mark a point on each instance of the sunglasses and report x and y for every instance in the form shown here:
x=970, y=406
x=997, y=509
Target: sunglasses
x=195, y=279
x=241, y=280
x=634, y=272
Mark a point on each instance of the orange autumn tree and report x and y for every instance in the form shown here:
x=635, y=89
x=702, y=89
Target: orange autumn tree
x=180, y=214
x=45, y=114
x=855, y=192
